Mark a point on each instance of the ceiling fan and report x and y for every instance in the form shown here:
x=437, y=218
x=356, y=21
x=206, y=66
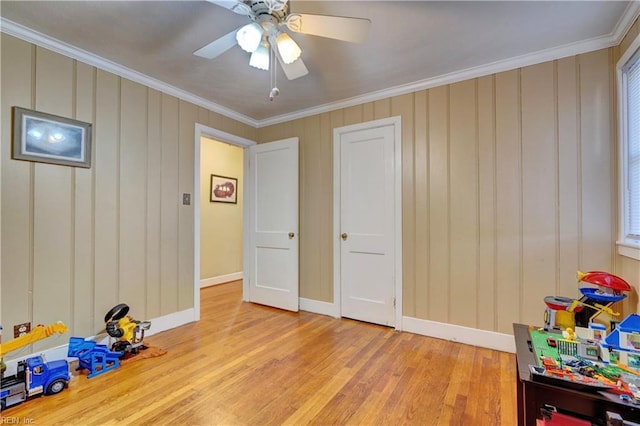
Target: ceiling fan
x=265, y=36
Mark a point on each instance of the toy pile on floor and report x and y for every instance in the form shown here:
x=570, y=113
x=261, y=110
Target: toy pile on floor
x=128, y=347
x=587, y=354
x=35, y=376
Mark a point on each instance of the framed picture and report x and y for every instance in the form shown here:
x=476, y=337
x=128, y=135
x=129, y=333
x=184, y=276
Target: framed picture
x=223, y=189
x=48, y=138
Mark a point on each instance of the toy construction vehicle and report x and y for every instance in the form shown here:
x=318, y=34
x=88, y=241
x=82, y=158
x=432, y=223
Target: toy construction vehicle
x=35, y=376
x=129, y=332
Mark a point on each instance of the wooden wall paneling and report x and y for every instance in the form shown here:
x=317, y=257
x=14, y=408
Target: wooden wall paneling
x=382, y=108
x=311, y=209
x=418, y=307
x=353, y=115
x=598, y=202
x=439, y=249
x=188, y=117
x=485, y=112
x=627, y=268
x=539, y=188
x=203, y=116
x=16, y=182
x=169, y=200
x=568, y=182
x=106, y=170
x=53, y=202
x=133, y=197
x=326, y=219
x=83, y=273
x=463, y=189
x=153, y=203
x=367, y=112
x=508, y=200
x=403, y=106
x=277, y=132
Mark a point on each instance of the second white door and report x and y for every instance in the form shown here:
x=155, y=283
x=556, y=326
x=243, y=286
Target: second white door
x=271, y=257
x=367, y=231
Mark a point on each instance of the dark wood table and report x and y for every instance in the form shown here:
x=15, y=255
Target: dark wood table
x=534, y=395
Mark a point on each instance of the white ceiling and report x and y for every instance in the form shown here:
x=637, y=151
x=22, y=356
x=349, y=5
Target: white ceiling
x=412, y=45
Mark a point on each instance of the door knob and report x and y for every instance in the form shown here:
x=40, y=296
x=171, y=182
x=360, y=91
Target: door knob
x=291, y=235
x=344, y=236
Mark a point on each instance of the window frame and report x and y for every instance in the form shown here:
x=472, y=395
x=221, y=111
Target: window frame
x=629, y=247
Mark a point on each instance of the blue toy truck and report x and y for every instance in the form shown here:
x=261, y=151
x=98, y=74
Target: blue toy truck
x=34, y=377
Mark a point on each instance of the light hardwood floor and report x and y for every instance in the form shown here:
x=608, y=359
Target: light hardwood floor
x=246, y=364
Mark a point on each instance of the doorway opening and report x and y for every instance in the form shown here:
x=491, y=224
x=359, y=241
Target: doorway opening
x=223, y=155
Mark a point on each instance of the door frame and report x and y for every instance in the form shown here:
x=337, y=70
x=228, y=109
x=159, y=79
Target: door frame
x=396, y=122
x=220, y=136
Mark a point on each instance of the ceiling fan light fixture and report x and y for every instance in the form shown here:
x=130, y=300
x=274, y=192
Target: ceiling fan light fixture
x=249, y=37
x=288, y=48
x=260, y=58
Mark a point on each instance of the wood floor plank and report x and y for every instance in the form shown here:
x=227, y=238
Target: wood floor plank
x=246, y=364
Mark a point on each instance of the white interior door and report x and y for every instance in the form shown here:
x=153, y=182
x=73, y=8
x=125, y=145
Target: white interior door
x=272, y=254
x=367, y=229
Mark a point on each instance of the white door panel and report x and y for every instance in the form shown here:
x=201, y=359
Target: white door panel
x=273, y=251
x=367, y=208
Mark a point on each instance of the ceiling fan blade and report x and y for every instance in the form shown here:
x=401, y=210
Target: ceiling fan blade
x=238, y=7
x=295, y=69
x=354, y=30
x=218, y=47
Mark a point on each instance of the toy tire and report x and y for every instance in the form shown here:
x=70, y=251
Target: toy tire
x=56, y=386
x=117, y=312
x=113, y=330
x=121, y=346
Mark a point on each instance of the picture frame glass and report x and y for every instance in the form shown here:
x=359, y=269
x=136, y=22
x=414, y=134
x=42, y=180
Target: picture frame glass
x=47, y=138
x=223, y=189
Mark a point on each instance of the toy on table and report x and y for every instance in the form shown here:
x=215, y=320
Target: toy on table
x=35, y=376
x=565, y=312
x=609, y=288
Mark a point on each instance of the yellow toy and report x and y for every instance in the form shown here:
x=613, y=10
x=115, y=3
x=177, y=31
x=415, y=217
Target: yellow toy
x=130, y=332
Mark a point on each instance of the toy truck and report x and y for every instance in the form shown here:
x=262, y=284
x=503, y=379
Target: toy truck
x=34, y=377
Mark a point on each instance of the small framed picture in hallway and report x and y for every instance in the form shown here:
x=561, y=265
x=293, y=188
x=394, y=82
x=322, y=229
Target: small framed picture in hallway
x=224, y=189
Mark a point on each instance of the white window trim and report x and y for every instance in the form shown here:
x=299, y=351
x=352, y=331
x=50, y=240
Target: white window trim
x=626, y=246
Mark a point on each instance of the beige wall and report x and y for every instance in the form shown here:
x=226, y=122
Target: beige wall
x=220, y=223
x=75, y=242
x=508, y=188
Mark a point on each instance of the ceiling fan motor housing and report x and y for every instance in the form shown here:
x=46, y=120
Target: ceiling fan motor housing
x=278, y=9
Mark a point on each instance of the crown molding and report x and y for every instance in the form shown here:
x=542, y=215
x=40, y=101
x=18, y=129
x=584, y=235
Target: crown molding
x=42, y=40
x=612, y=39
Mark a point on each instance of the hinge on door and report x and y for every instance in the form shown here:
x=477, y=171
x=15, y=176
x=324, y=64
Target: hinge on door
x=394, y=303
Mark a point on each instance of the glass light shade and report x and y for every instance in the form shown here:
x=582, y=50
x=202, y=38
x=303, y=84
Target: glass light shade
x=260, y=58
x=289, y=49
x=249, y=37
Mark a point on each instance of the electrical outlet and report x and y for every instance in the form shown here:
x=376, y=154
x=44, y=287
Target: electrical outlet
x=21, y=329
x=186, y=199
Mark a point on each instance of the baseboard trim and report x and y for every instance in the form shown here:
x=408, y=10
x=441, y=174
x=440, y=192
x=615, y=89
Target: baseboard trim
x=318, y=307
x=158, y=325
x=456, y=333
x=208, y=282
